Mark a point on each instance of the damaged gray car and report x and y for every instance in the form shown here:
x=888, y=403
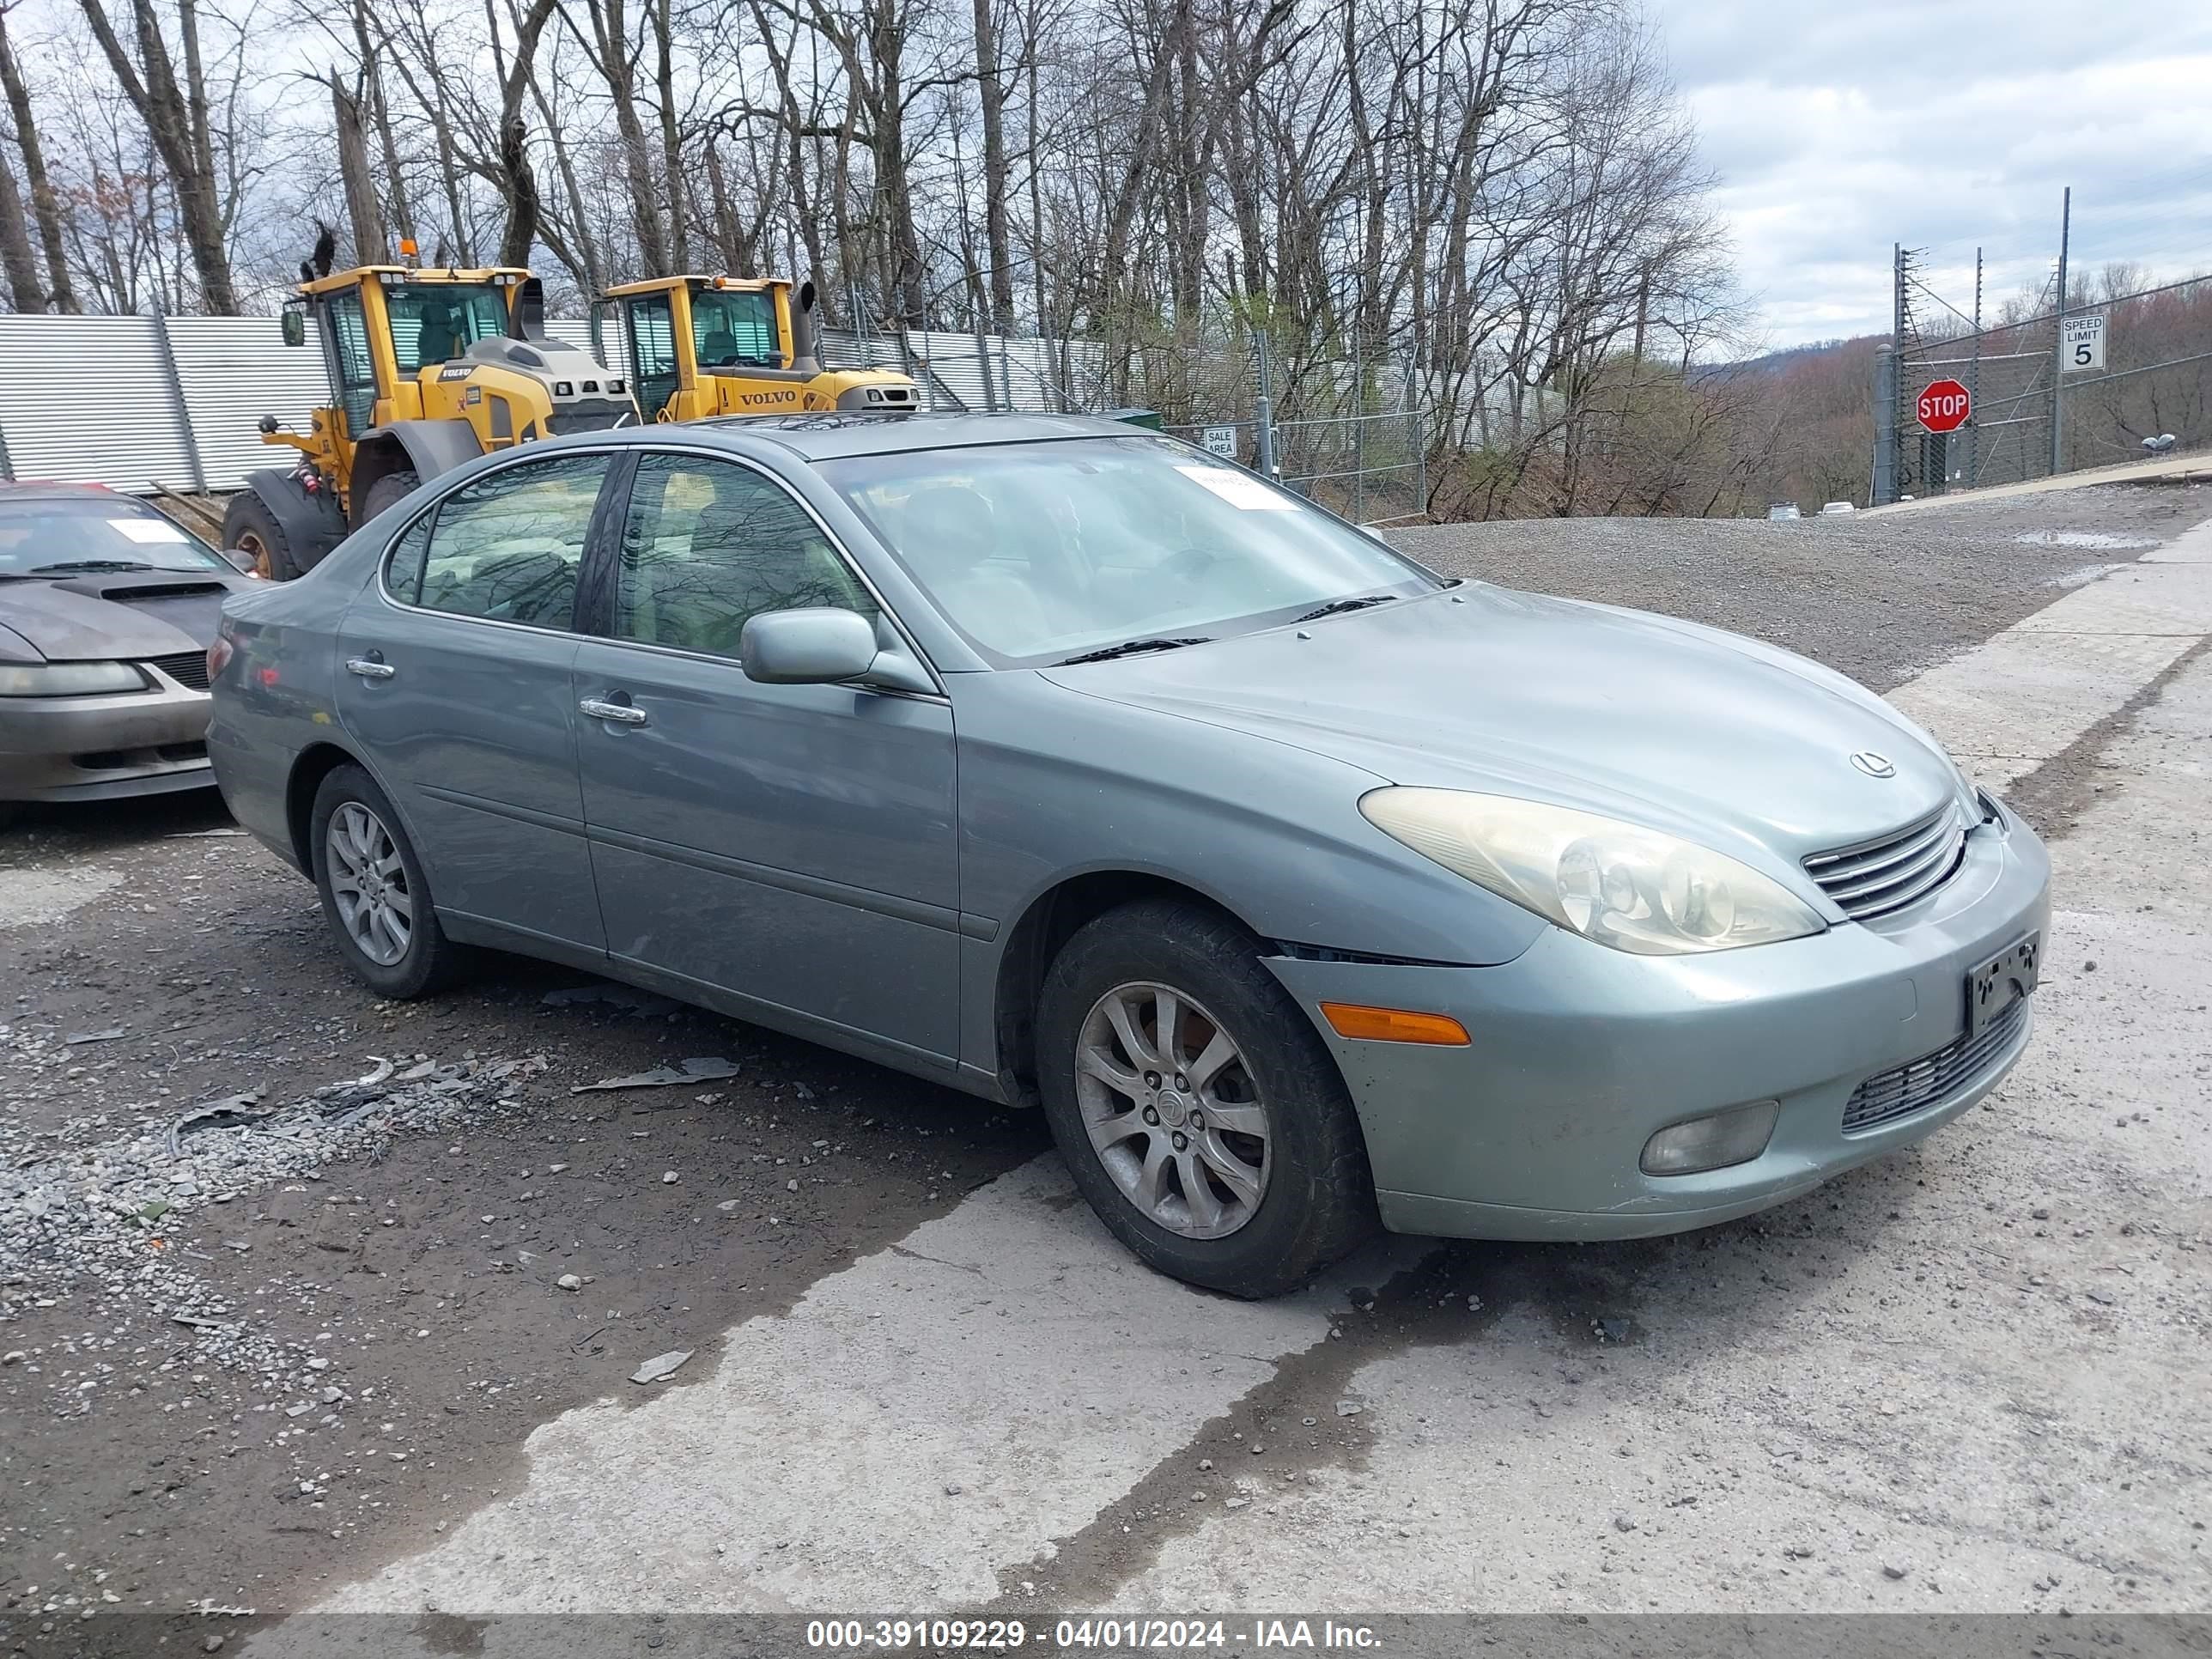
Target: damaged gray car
x=107, y=608
x=1303, y=887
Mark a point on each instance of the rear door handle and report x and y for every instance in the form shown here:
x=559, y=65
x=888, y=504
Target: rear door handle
x=621, y=714
x=370, y=668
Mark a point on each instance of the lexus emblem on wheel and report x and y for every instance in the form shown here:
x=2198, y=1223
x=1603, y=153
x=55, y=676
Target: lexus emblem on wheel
x=1873, y=765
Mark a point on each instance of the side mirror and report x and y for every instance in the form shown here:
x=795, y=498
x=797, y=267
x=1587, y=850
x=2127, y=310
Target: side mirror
x=293, y=325
x=241, y=561
x=812, y=647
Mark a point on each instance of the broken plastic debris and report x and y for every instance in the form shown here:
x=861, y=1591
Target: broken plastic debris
x=660, y=1365
x=380, y=1070
x=107, y=1035
x=228, y=1113
x=702, y=1069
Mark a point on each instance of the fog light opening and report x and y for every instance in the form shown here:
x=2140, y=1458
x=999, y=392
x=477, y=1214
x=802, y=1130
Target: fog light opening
x=1713, y=1142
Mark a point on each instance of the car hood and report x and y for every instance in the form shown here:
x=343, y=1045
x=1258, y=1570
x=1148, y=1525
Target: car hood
x=1665, y=723
x=120, y=614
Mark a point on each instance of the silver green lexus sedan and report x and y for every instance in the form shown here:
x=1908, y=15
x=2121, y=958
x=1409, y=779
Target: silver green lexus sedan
x=1303, y=889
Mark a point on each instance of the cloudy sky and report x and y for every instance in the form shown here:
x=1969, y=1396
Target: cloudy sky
x=1841, y=126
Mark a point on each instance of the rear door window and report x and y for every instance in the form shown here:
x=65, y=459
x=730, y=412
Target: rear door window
x=508, y=547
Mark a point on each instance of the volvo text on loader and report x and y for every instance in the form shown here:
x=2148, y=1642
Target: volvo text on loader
x=703, y=347
x=427, y=368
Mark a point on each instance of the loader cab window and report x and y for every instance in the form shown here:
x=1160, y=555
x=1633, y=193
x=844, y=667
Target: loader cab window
x=433, y=322
x=353, y=369
x=735, y=330
x=649, y=320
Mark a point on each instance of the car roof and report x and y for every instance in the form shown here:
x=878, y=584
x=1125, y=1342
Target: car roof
x=44, y=489
x=829, y=435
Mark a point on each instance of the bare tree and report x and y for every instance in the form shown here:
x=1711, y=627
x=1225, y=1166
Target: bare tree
x=45, y=208
x=176, y=116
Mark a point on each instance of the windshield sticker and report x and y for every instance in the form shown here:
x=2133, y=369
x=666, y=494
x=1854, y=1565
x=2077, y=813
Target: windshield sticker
x=147, y=533
x=1240, y=489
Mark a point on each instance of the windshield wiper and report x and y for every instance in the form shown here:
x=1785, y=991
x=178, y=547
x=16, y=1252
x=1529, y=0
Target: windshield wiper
x=72, y=566
x=1130, y=648
x=1338, y=607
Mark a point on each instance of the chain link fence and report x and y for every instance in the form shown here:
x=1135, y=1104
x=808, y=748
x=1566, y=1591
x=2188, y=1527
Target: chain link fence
x=2120, y=378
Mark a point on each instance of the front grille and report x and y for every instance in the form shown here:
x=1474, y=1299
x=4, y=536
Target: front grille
x=1888, y=1096
x=593, y=415
x=1877, y=876
x=188, y=668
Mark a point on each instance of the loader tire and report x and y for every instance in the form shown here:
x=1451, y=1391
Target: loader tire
x=391, y=488
x=252, y=529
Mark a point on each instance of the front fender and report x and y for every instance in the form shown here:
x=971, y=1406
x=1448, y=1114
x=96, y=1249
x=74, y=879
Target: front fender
x=426, y=447
x=312, y=524
x=1055, y=784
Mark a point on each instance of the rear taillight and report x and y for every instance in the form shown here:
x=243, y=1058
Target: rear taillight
x=219, y=656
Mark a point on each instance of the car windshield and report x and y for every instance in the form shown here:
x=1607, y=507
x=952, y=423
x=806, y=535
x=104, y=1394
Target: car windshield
x=1041, y=551
x=89, y=533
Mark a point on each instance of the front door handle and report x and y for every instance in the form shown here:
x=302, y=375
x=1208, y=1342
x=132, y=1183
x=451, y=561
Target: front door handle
x=621, y=714
x=370, y=667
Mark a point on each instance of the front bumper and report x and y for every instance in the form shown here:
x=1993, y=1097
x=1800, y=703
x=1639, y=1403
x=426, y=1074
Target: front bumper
x=1580, y=1054
x=99, y=748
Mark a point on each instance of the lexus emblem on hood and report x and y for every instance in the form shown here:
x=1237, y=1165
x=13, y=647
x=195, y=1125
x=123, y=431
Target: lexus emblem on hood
x=1873, y=765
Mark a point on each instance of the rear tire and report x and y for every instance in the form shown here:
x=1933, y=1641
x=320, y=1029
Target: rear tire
x=392, y=487
x=249, y=525
x=374, y=895
x=1242, y=1168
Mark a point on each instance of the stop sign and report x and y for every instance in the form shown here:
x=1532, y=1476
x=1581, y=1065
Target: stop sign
x=1944, y=406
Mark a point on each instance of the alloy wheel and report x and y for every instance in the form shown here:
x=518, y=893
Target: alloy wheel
x=368, y=881
x=1172, y=1110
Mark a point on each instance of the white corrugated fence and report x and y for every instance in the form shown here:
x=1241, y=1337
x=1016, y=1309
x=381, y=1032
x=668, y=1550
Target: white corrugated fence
x=133, y=402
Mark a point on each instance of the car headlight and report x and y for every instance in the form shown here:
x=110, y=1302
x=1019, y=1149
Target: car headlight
x=1622, y=885
x=68, y=679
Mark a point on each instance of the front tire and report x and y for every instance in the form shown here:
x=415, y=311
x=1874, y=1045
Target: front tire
x=374, y=895
x=1198, y=1111
x=249, y=525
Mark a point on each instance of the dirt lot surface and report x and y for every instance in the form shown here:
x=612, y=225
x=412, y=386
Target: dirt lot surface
x=1879, y=598
x=366, y=1346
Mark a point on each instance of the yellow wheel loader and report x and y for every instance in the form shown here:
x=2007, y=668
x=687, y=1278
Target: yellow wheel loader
x=427, y=368
x=706, y=346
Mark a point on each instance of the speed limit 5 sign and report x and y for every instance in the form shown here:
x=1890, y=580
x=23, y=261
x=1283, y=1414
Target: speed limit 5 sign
x=2082, y=341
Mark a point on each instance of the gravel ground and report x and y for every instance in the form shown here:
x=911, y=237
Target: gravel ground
x=1879, y=598
x=376, y=1270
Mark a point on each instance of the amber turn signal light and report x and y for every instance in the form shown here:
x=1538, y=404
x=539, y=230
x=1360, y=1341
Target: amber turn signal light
x=1352, y=1019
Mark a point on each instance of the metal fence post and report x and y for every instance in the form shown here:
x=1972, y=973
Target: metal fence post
x=1418, y=441
x=983, y=364
x=1359, y=469
x=2059, y=338
x=177, y=405
x=1884, y=488
x=1263, y=409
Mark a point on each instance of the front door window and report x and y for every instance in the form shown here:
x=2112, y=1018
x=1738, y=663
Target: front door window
x=353, y=369
x=652, y=352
